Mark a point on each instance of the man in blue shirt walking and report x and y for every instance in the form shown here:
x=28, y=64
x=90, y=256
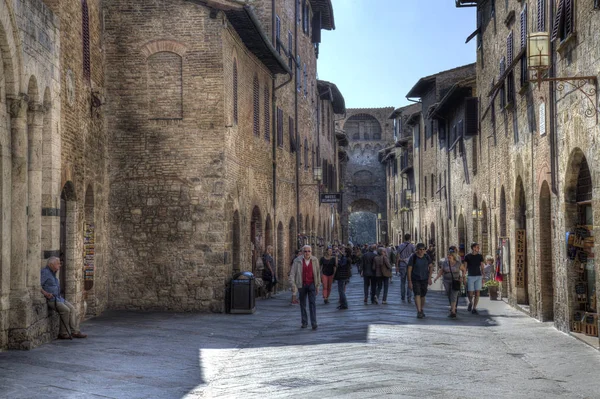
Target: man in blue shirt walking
x=51, y=290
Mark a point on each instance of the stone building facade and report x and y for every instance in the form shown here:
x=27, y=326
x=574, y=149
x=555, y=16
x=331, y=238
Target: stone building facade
x=514, y=169
x=193, y=153
x=369, y=131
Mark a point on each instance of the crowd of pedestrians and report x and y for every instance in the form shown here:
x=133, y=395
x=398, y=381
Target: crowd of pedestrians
x=414, y=269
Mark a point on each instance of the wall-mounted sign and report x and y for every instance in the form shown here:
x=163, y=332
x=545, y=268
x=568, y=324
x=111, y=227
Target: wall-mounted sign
x=331, y=198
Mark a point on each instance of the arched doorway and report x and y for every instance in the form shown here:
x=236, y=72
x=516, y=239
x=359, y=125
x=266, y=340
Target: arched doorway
x=545, y=251
x=521, y=270
x=68, y=255
x=579, y=222
x=462, y=236
x=280, y=262
x=268, y=232
x=485, y=246
x=235, y=234
x=256, y=236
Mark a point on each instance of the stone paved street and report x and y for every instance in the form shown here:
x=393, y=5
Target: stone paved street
x=364, y=352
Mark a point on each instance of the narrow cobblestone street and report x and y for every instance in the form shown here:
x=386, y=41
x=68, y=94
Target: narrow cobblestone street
x=365, y=351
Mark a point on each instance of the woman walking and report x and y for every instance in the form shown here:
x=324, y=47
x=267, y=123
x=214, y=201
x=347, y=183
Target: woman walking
x=328, y=266
x=453, y=273
x=383, y=272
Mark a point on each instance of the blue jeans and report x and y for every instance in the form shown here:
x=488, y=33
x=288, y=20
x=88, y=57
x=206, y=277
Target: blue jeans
x=404, y=284
x=342, y=292
x=311, y=292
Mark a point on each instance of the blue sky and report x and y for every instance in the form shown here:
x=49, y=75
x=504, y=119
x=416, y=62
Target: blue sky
x=381, y=48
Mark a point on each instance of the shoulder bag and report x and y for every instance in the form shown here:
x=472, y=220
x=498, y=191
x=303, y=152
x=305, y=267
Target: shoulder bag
x=455, y=283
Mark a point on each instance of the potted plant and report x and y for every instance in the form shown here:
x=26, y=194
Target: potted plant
x=492, y=286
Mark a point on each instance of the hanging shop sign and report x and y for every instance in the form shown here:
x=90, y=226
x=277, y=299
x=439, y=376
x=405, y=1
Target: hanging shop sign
x=331, y=198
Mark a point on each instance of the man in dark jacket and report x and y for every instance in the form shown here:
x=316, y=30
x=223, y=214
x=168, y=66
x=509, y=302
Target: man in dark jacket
x=342, y=275
x=368, y=274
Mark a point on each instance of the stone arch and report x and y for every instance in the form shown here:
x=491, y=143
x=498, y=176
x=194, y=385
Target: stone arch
x=158, y=46
x=10, y=52
x=365, y=205
x=545, y=251
x=377, y=147
x=521, y=267
x=362, y=177
x=164, y=84
x=363, y=125
x=578, y=210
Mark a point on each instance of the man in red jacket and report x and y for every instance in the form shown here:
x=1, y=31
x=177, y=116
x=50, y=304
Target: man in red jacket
x=306, y=278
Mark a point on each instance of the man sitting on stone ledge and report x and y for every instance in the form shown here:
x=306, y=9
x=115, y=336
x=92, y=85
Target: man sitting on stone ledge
x=69, y=325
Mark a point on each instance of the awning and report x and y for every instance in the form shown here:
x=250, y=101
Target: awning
x=326, y=10
x=472, y=35
x=330, y=91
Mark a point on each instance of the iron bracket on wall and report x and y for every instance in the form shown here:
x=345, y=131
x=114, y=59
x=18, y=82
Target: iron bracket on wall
x=588, y=85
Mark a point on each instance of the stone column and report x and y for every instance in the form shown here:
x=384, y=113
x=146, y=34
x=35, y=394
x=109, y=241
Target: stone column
x=34, y=215
x=19, y=297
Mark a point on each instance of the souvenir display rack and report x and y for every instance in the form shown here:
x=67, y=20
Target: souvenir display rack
x=580, y=244
x=88, y=254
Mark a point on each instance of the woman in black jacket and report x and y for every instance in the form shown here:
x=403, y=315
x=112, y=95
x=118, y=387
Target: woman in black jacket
x=342, y=275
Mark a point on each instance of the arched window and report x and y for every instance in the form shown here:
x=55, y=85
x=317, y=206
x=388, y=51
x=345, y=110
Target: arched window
x=235, y=92
x=267, y=115
x=85, y=36
x=256, y=107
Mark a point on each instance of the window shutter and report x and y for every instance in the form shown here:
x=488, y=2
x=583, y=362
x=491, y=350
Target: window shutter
x=441, y=130
x=471, y=116
x=524, y=27
x=280, y=127
x=502, y=66
x=256, y=106
x=568, y=29
x=85, y=36
x=558, y=19
x=267, y=115
x=509, y=48
x=541, y=15
x=316, y=28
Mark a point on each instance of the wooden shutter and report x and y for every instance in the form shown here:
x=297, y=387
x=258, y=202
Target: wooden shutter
x=256, y=106
x=524, y=27
x=235, y=92
x=316, y=27
x=541, y=15
x=471, y=116
x=558, y=19
x=85, y=36
x=280, y=127
x=568, y=27
x=267, y=114
x=509, y=48
x=465, y=163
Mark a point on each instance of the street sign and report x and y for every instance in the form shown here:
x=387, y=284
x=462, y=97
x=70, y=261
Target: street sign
x=331, y=198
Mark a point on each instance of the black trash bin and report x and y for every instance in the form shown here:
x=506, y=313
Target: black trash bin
x=242, y=293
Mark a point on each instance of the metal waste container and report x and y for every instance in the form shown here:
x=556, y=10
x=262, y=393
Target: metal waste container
x=242, y=293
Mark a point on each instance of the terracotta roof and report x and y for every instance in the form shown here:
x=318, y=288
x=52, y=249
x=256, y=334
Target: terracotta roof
x=245, y=22
x=335, y=96
x=326, y=10
x=423, y=83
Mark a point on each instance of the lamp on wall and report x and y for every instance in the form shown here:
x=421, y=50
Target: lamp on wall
x=318, y=173
x=474, y=213
x=539, y=61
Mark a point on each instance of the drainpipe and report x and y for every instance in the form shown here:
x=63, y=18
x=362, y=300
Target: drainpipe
x=296, y=121
x=553, y=121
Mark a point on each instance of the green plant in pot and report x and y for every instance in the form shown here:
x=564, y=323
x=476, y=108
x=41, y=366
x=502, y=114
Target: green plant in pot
x=492, y=286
